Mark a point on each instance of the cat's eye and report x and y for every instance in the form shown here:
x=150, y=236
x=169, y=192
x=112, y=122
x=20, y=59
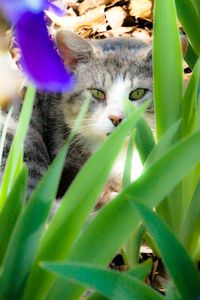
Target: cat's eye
x=98, y=94
x=137, y=94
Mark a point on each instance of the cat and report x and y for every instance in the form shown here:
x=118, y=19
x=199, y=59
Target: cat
x=106, y=71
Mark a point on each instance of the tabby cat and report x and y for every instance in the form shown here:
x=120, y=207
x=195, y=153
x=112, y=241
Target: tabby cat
x=106, y=71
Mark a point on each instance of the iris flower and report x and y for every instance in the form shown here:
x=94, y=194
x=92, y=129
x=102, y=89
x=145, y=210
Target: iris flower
x=40, y=59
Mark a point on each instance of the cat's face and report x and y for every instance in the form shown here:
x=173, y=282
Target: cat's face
x=108, y=72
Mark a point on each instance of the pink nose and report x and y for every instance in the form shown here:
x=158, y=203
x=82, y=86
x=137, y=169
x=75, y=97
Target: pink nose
x=115, y=119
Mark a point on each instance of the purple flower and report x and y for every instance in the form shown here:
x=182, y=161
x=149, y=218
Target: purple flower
x=40, y=60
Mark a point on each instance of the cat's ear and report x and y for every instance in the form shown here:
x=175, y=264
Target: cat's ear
x=73, y=48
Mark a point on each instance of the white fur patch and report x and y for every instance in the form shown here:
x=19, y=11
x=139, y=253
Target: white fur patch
x=118, y=168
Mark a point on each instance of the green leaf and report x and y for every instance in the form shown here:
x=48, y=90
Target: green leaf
x=191, y=123
x=178, y=263
x=142, y=270
x=131, y=249
x=97, y=296
x=118, y=219
x=116, y=286
x=191, y=57
x=190, y=230
x=191, y=104
x=197, y=6
x=144, y=137
x=77, y=204
x=14, y=160
x=168, y=74
x=11, y=211
x=186, y=12
x=28, y=231
x=126, y=179
x=166, y=141
x=171, y=293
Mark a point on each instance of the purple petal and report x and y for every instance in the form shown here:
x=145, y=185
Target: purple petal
x=14, y=9
x=39, y=58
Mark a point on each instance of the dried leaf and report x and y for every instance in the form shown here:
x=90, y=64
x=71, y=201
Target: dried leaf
x=141, y=8
x=93, y=17
x=115, y=16
x=89, y=4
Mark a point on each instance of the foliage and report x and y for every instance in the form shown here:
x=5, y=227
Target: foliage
x=164, y=199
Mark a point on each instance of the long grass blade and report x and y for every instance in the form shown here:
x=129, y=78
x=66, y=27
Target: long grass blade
x=190, y=231
x=178, y=263
x=14, y=160
x=11, y=211
x=28, y=230
x=186, y=12
x=116, y=286
x=168, y=70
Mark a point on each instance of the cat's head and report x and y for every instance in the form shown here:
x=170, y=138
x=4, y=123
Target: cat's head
x=107, y=71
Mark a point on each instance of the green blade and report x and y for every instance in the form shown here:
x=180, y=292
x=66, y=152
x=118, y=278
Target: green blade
x=28, y=231
x=191, y=123
x=190, y=230
x=116, y=286
x=144, y=139
x=168, y=70
x=97, y=296
x=167, y=141
x=11, y=211
x=186, y=12
x=142, y=270
x=14, y=160
x=191, y=104
x=178, y=263
x=191, y=57
x=126, y=179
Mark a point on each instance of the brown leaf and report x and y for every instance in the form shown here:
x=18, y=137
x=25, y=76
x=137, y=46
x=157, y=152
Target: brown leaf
x=89, y=4
x=93, y=17
x=115, y=16
x=141, y=8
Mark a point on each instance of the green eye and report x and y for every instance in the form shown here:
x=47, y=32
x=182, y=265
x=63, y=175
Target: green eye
x=137, y=94
x=98, y=94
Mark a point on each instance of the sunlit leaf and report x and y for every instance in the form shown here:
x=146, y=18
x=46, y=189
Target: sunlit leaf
x=116, y=286
x=178, y=263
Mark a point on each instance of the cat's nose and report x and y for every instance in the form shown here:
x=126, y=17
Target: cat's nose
x=115, y=119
